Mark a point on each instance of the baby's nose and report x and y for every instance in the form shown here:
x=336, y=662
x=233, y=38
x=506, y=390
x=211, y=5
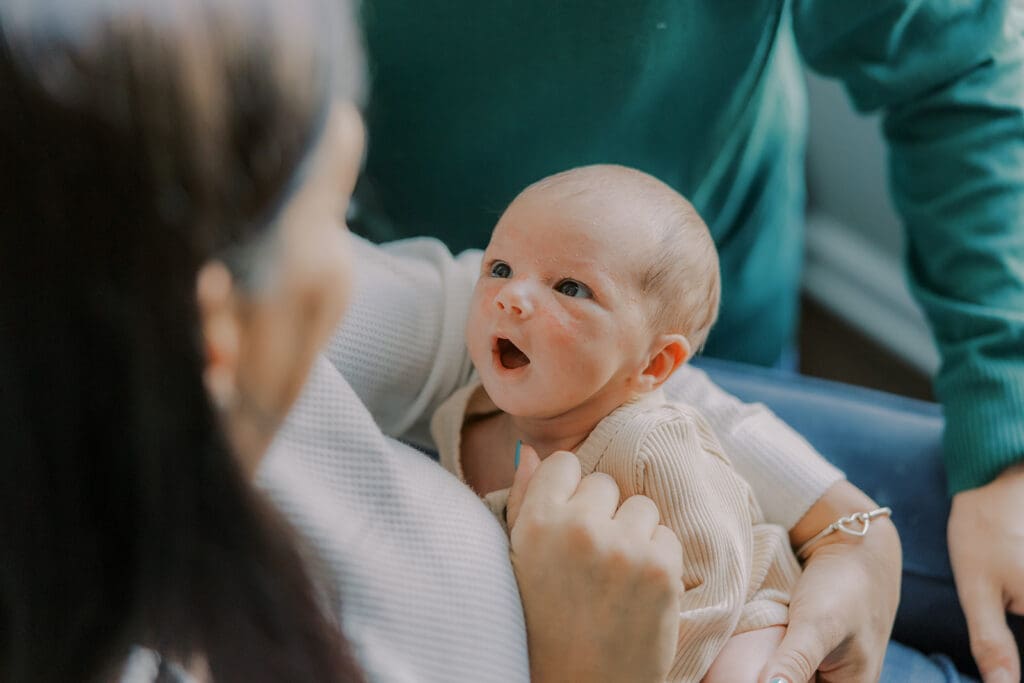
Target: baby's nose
x=514, y=301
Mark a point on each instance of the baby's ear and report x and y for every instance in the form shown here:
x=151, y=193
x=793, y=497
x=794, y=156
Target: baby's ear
x=668, y=352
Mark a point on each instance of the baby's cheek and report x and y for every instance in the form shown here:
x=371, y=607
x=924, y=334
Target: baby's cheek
x=562, y=332
x=477, y=345
x=569, y=342
x=481, y=308
x=474, y=334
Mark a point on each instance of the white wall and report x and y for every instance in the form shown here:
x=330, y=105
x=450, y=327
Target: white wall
x=854, y=237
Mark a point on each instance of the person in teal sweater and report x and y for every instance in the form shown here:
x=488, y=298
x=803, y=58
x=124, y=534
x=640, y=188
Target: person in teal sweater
x=474, y=100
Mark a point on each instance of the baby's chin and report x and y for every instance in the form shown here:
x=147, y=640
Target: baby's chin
x=517, y=401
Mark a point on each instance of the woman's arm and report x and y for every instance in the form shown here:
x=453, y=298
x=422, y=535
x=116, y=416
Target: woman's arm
x=849, y=590
x=843, y=607
x=401, y=344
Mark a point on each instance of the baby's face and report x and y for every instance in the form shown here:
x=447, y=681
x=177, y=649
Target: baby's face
x=556, y=322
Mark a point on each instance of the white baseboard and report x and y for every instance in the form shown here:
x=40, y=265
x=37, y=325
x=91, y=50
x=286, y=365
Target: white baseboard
x=860, y=283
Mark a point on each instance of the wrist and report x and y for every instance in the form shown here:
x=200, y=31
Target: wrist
x=843, y=499
x=1008, y=475
x=856, y=525
x=880, y=547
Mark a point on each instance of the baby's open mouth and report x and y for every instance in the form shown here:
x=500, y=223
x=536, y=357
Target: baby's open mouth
x=510, y=355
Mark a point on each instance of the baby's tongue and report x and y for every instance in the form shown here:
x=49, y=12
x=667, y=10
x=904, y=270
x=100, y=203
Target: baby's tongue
x=512, y=357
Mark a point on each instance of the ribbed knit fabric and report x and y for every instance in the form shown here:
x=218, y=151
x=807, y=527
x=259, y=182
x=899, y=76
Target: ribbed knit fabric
x=737, y=571
x=414, y=567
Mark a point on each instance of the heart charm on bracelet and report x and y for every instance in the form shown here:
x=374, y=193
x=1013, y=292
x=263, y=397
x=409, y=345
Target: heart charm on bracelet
x=844, y=524
x=855, y=525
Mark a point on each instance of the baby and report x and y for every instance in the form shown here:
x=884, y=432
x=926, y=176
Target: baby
x=598, y=283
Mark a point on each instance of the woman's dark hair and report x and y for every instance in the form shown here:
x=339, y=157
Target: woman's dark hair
x=138, y=140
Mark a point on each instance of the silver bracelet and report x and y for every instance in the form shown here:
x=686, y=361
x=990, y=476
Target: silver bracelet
x=856, y=524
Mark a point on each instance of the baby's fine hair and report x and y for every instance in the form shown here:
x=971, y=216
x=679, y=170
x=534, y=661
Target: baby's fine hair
x=681, y=283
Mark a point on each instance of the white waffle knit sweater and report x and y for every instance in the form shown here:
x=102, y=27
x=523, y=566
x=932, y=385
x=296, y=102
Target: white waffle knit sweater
x=412, y=563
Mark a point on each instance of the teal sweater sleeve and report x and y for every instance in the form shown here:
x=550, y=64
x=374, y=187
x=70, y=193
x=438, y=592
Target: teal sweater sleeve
x=949, y=75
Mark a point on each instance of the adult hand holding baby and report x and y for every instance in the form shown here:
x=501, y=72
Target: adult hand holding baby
x=571, y=540
x=844, y=605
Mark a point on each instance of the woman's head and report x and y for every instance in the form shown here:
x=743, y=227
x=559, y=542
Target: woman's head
x=173, y=178
x=148, y=139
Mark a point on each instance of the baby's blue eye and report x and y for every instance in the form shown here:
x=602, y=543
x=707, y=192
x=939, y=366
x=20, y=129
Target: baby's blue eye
x=501, y=269
x=574, y=289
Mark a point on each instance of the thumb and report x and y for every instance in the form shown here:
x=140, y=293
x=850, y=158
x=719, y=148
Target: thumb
x=992, y=643
x=798, y=656
x=528, y=464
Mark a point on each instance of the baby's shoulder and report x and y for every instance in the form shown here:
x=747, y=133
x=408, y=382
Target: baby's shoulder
x=670, y=430
x=659, y=415
x=656, y=446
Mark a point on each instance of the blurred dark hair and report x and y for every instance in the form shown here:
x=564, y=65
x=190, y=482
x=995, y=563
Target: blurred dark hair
x=138, y=140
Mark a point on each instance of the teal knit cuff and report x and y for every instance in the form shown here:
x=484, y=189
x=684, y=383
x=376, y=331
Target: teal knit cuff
x=984, y=433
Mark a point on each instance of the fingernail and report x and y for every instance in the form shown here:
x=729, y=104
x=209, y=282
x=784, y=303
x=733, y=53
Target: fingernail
x=778, y=679
x=515, y=463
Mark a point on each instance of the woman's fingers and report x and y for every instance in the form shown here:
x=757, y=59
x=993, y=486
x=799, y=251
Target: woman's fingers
x=596, y=584
x=667, y=546
x=597, y=495
x=528, y=464
x=801, y=652
x=553, y=482
x=639, y=515
x=668, y=554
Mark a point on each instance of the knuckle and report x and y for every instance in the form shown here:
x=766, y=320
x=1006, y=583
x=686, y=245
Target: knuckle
x=580, y=535
x=618, y=560
x=532, y=526
x=659, y=575
x=798, y=663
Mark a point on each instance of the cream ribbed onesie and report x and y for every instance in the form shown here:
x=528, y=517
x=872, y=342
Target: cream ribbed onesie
x=737, y=569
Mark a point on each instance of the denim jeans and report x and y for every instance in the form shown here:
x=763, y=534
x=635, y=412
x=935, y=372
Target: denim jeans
x=890, y=447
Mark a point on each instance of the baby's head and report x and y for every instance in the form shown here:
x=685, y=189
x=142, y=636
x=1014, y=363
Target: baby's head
x=597, y=284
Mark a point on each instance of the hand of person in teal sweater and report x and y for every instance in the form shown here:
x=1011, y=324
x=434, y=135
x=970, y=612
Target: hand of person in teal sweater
x=986, y=549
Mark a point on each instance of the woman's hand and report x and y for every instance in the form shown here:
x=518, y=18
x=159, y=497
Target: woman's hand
x=599, y=582
x=844, y=604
